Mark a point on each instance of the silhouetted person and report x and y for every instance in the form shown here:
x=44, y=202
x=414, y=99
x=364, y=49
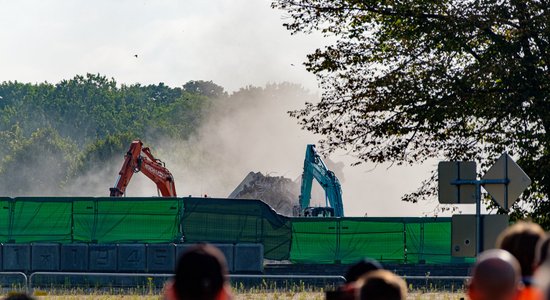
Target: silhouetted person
x=201, y=274
x=541, y=251
x=19, y=296
x=381, y=285
x=521, y=240
x=542, y=273
x=361, y=268
x=496, y=276
x=348, y=291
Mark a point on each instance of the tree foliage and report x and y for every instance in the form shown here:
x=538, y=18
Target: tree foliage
x=69, y=138
x=406, y=81
x=206, y=88
x=53, y=133
x=38, y=165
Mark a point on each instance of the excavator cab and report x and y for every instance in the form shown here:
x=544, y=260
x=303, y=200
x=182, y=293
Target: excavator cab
x=319, y=212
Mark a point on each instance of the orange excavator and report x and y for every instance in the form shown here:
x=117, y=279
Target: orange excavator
x=151, y=167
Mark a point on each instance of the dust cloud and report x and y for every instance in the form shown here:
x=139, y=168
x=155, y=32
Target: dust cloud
x=251, y=131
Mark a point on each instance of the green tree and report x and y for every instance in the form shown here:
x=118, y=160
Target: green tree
x=92, y=107
x=99, y=153
x=180, y=118
x=205, y=88
x=86, y=107
x=406, y=81
x=10, y=140
x=104, y=149
x=38, y=165
x=77, y=125
x=22, y=105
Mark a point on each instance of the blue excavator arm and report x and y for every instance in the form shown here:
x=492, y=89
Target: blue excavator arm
x=314, y=167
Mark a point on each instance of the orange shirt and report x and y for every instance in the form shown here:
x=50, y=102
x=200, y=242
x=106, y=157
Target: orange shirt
x=530, y=293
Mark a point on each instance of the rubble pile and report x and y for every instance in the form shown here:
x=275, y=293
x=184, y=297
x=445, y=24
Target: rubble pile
x=278, y=192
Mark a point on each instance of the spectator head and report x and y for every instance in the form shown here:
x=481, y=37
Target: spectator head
x=541, y=252
x=18, y=296
x=361, y=268
x=495, y=276
x=201, y=274
x=542, y=279
x=381, y=285
x=521, y=240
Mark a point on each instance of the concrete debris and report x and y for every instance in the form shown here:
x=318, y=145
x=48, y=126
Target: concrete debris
x=278, y=192
x=282, y=193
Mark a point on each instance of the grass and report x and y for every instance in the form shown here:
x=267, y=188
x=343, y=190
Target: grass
x=262, y=290
x=239, y=294
x=249, y=296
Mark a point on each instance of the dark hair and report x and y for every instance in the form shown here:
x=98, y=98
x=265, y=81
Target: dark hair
x=361, y=268
x=541, y=253
x=521, y=240
x=18, y=296
x=382, y=285
x=200, y=273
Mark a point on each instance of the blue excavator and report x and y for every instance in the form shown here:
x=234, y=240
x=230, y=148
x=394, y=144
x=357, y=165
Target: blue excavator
x=314, y=167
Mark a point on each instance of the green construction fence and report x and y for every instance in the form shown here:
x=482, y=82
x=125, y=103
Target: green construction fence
x=191, y=220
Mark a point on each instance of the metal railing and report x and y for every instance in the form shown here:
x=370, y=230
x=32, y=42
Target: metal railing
x=261, y=276
x=25, y=282
x=29, y=281
x=428, y=277
x=332, y=278
x=32, y=276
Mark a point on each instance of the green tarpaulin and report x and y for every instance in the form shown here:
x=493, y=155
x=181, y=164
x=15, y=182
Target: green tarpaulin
x=191, y=220
x=405, y=240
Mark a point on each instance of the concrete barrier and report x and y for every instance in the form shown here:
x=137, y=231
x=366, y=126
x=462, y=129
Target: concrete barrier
x=228, y=252
x=45, y=257
x=180, y=249
x=226, y=249
x=16, y=257
x=112, y=258
x=103, y=257
x=249, y=258
x=161, y=258
x=131, y=258
x=74, y=257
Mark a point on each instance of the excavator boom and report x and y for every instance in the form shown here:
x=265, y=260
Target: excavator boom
x=151, y=167
x=314, y=167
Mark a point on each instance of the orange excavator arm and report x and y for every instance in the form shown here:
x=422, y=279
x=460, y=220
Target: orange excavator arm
x=151, y=167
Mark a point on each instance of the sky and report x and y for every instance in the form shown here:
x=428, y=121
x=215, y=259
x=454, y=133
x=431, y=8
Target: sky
x=234, y=43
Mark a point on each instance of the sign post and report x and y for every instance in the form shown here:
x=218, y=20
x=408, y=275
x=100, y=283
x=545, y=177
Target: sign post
x=504, y=181
x=463, y=233
x=478, y=184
